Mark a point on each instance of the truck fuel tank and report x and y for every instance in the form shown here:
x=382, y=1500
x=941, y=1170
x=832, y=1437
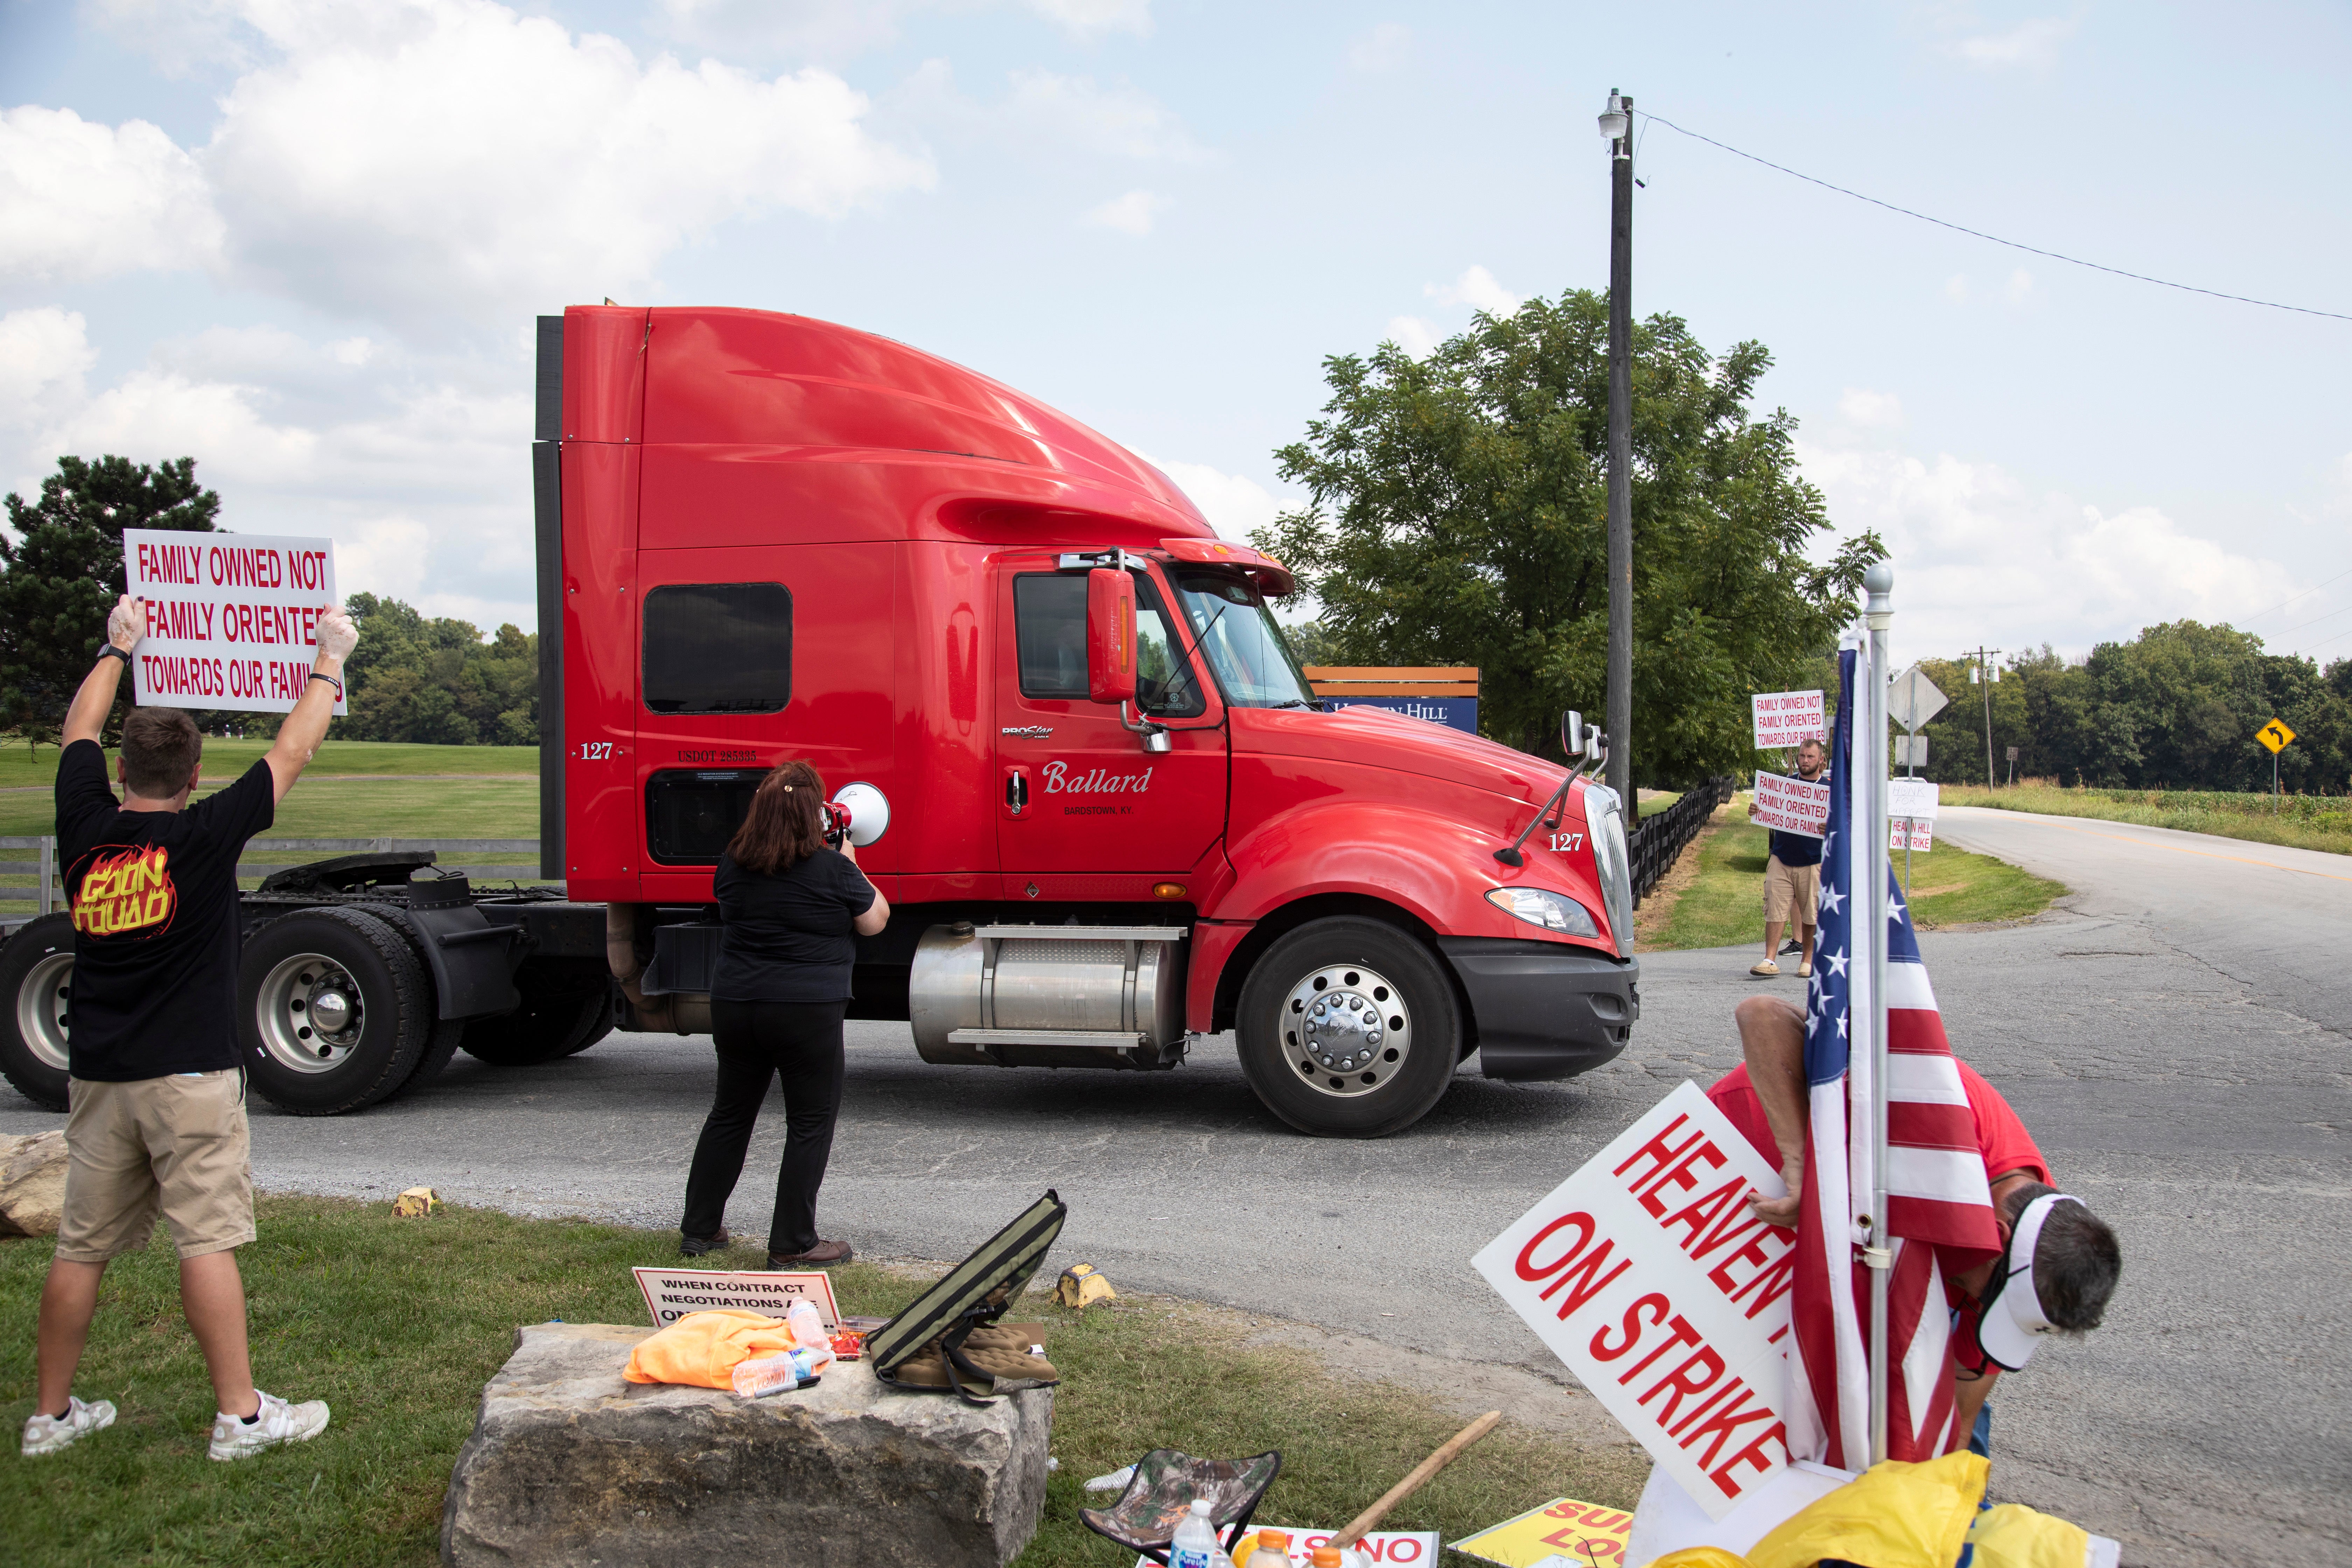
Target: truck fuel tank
x=1063, y=996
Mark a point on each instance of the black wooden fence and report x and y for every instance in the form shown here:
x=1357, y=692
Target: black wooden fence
x=1658, y=841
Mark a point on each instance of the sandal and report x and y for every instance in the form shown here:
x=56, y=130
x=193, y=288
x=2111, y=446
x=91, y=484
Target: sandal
x=1768, y=969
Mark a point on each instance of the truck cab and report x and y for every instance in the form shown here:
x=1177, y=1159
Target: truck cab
x=1078, y=757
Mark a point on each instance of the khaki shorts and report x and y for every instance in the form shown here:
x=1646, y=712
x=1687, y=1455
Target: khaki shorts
x=175, y=1146
x=1792, y=888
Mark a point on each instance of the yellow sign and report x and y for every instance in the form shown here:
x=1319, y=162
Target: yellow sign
x=2275, y=735
x=1583, y=1532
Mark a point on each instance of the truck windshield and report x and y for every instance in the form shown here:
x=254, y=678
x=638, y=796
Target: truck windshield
x=1244, y=648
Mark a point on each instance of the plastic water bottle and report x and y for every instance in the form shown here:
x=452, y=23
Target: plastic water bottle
x=807, y=1324
x=1195, y=1543
x=778, y=1373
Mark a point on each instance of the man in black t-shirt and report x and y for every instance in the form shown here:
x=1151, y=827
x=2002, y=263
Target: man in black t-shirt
x=155, y=1123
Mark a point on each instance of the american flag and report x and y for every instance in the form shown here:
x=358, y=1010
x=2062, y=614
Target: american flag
x=1939, y=1198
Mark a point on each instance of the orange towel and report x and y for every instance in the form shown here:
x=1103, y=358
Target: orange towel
x=702, y=1348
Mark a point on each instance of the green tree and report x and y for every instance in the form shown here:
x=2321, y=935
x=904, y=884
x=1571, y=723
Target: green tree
x=438, y=680
x=62, y=571
x=1457, y=517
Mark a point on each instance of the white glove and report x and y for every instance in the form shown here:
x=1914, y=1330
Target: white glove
x=337, y=635
x=126, y=622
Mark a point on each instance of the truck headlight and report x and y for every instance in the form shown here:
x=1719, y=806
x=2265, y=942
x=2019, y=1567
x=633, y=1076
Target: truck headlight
x=1604, y=820
x=1553, y=911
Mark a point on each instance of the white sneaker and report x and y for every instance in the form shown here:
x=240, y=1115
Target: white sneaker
x=47, y=1433
x=277, y=1422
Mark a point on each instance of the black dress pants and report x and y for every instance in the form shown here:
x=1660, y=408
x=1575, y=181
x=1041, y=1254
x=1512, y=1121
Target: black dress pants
x=801, y=1044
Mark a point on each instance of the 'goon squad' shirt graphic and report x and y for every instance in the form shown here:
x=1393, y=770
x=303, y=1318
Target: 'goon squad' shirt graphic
x=151, y=898
x=126, y=890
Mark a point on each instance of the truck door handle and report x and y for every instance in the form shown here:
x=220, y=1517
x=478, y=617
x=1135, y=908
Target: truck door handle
x=1016, y=792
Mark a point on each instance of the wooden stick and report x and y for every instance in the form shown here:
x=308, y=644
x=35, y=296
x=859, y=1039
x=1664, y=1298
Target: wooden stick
x=1362, y=1523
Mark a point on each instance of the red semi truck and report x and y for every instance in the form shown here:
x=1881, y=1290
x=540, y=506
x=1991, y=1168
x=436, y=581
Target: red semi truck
x=1107, y=811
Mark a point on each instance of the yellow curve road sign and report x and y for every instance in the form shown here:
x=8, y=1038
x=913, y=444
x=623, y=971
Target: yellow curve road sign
x=2275, y=735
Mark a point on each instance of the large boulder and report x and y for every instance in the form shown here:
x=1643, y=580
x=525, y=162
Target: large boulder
x=32, y=1183
x=570, y=1464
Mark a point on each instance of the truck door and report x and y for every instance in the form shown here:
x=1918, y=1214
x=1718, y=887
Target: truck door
x=1078, y=793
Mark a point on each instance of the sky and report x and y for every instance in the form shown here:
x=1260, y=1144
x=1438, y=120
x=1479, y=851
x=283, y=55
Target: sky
x=304, y=242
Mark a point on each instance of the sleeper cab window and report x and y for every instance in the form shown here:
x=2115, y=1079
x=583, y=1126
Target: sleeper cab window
x=1049, y=614
x=719, y=648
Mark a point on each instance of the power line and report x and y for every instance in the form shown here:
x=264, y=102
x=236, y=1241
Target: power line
x=2315, y=621
x=2306, y=594
x=1980, y=234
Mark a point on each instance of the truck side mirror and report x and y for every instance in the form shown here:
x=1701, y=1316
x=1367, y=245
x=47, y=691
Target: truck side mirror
x=1571, y=732
x=1110, y=636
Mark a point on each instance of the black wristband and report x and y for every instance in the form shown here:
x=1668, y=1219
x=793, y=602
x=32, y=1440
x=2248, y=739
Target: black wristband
x=316, y=675
x=119, y=653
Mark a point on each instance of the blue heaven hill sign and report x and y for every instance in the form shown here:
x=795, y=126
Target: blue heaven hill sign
x=1446, y=695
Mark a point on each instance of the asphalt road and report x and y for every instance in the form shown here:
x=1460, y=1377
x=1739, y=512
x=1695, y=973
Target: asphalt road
x=2174, y=1035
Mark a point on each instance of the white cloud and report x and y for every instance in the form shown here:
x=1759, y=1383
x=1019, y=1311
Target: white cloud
x=1091, y=18
x=1235, y=505
x=2019, y=286
x=1075, y=111
x=1980, y=556
x=1871, y=410
x=1130, y=214
x=152, y=415
x=383, y=555
x=1414, y=335
x=1385, y=48
x=44, y=354
x=1476, y=289
x=427, y=159
x=1956, y=288
x=81, y=200
x=2032, y=44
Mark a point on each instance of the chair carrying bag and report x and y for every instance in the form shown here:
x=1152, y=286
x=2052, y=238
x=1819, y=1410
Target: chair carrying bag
x=925, y=1348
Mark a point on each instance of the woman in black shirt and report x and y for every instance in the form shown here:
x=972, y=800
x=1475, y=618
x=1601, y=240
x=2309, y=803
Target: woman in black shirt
x=792, y=908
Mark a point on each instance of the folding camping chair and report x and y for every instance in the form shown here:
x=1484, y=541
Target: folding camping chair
x=1161, y=1491
x=973, y=1292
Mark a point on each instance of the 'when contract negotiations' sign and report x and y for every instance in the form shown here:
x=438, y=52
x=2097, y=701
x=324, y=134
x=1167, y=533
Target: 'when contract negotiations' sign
x=1790, y=806
x=232, y=618
x=1648, y=1276
x=1785, y=718
x=672, y=1293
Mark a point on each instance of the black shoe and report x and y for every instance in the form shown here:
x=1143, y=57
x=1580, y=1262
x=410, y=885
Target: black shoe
x=695, y=1247
x=1791, y=945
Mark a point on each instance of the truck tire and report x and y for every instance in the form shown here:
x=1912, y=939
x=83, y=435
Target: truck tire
x=448, y=1033
x=36, y=980
x=334, y=1012
x=1348, y=1028
x=549, y=1024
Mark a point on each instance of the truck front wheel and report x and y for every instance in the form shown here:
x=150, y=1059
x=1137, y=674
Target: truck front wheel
x=333, y=1009
x=36, y=985
x=1348, y=1028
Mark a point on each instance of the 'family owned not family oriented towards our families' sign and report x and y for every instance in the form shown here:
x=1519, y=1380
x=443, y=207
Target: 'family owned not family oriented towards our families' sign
x=1649, y=1276
x=232, y=618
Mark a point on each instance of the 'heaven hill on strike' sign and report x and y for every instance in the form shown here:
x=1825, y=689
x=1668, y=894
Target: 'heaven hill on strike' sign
x=232, y=618
x=1648, y=1275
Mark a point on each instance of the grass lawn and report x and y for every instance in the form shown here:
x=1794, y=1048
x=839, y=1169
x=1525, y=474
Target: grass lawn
x=398, y=1323
x=1723, y=906
x=2299, y=821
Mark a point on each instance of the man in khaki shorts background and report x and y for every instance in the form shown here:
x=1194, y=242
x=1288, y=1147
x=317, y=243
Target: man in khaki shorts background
x=155, y=1123
x=1792, y=877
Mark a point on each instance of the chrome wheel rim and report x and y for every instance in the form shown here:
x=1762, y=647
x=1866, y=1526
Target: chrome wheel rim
x=309, y=1014
x=41, y=1007
x=1346, y=1030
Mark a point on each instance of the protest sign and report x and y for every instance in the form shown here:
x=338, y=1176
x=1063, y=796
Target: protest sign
x=1786, y=718
x=1380, y=1548
x=672, y=1293
x=1910, y=832
x=1578, y=1531
x=232, y=618
x=1914, y=798
x=1792, y=806
x=1649, y=1277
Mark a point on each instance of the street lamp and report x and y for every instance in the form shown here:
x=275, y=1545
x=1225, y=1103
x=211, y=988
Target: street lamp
x=1617, y=125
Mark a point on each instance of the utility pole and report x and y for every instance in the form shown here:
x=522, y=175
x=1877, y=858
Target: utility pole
x=1983, y=656
x=1617, y=126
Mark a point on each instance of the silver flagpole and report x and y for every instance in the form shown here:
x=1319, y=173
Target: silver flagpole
x=1872, y=857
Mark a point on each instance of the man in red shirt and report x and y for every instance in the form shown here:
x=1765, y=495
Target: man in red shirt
x=2061, y=1261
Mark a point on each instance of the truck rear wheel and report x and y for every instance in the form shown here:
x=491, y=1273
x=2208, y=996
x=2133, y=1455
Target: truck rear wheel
x=333, y=1010
x=1349, y=1030
x=37, y=981
x=549, y=1024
